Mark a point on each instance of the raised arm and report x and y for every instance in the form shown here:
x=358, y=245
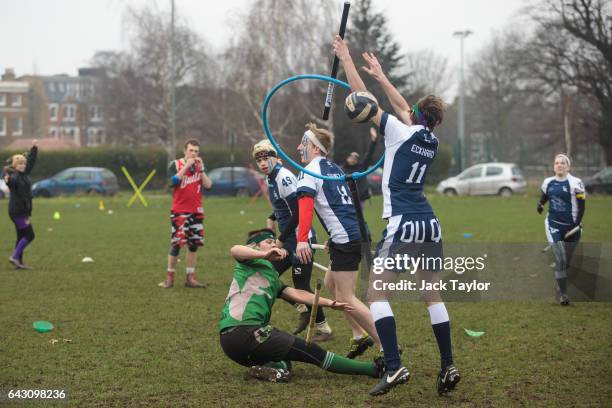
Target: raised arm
x=31, y=159
x=399, y=104
x=352, y=75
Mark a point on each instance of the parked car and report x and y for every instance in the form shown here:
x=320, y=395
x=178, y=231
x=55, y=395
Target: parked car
x=4, y=190
x=504, y=179
x=600, y=182
x=78, y=180
x=242, y=183
x=375, y=181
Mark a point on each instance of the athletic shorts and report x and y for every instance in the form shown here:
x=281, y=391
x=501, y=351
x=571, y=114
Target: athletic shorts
x=187, y=229
x=555, y=231
x=413, y=235
x=255, y=345
x=345, y=257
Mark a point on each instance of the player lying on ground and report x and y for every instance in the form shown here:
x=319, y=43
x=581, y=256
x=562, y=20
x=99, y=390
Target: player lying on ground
x=566, y=195
x=245, y=334
x=282, y=187
x=333, y=204
x=410, y=148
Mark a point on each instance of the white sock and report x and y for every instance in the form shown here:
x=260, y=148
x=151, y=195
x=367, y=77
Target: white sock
x=438, y=313
x=380, y=310
x=358, y=337
x=189, y=270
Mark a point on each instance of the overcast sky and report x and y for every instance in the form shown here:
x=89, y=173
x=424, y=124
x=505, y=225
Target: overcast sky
x=58, y=36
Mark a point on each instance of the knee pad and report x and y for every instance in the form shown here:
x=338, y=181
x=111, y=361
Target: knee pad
x=174, y=251
x=193, y=248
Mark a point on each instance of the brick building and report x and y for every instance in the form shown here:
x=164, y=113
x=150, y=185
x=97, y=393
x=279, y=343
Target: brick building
x=14, y=107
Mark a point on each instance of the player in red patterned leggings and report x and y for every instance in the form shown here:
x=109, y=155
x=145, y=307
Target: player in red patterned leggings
x=187, y=215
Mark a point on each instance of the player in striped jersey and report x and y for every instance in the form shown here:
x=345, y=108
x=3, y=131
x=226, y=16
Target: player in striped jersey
x=410, y=148
x=333, y=204
x=566, y=196
x=282, y=188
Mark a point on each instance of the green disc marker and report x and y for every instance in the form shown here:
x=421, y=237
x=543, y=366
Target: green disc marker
x=472, y=333
x=42, y=327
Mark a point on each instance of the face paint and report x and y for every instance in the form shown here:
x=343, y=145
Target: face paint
x=305, y=141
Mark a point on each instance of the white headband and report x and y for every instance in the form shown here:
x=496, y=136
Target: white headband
x=311, y=136
x=569, y=163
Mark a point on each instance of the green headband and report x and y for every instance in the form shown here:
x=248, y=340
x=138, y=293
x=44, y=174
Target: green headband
x=262, y=236
x=419, y=116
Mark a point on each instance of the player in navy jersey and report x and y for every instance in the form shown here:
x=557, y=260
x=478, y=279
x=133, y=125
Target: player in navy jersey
x=410, y=148
x=333, y=204
x=566, y=196
x=282, y=187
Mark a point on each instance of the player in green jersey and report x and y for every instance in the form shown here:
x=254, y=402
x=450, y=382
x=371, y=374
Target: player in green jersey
x=245, y=334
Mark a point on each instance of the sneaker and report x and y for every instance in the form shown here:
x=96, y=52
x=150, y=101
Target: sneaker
x=381, y=367
x=447, y=379
x=15, y=262
x=358, y=347
x=390, y=380
x=564, y=300
x=322, y=335
x=192, y=282
x=275, y=375
x=169, y=282
x=302, y=323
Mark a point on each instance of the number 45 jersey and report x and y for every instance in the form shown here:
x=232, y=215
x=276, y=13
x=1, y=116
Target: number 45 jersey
x=409, y=152
x=332, y=200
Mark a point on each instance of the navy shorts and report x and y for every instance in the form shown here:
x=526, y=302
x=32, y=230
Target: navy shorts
x=414, y=235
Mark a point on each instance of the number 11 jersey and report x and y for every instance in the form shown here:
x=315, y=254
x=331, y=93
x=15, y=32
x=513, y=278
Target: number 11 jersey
x=409, y=152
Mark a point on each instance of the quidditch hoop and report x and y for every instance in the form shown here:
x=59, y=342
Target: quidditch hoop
x=264, y=115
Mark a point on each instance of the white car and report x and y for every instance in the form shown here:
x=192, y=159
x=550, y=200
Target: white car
x=504, y=179
x=4, y=190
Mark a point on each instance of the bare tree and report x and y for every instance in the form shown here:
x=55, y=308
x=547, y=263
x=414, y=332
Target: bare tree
x=572, y=47
x=290, y=39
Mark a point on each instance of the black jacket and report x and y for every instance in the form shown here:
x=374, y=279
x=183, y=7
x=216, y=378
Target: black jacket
x=20, y=186
x=362, y=184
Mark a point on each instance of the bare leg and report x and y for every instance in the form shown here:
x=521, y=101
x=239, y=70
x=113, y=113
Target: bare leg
x=344, y=283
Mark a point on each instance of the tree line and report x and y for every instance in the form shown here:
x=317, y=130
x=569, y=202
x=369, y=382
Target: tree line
x=542, y=84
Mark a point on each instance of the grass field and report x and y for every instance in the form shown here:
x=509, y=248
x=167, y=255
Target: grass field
x=134, y=344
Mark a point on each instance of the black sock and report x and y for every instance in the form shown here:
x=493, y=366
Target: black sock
x=562, y=282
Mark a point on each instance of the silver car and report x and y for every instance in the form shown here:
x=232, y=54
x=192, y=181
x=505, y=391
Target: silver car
x=503, y=179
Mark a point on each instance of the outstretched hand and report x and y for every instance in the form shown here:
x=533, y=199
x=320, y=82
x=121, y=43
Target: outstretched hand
x=341, y=306
x=373, y=69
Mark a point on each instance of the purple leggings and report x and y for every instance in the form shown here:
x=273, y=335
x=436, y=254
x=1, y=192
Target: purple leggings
x=25, y=235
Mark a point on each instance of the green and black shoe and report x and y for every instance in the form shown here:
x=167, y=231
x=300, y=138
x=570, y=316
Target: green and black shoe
x=358, y=347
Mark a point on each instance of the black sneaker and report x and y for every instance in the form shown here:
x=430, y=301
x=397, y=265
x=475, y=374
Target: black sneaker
x=302, y=323
x=447, y=379
x=358, y=347
x=276, y=375
x=390, y=380
x=564, y=300
x=381, y=367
